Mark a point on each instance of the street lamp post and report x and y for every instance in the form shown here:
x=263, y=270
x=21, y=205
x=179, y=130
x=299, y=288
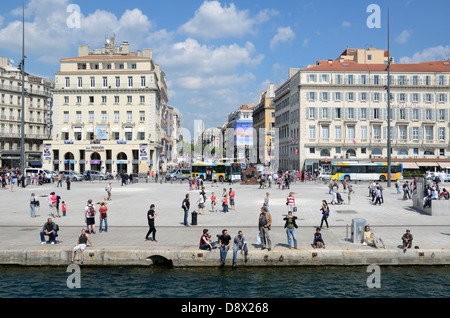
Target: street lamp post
x=388, y=111
x=22, y=125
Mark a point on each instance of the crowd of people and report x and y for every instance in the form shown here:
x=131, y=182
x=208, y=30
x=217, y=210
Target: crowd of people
x=224, y=242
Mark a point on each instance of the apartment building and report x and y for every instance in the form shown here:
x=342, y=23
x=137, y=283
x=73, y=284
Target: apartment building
x=337, y=109
x=110, y=112
x=238, y=134
x=37, y=113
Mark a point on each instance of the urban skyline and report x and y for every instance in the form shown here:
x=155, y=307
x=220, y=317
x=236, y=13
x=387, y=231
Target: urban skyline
x=258, y=41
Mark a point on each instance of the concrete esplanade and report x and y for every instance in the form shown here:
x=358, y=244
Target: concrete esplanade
x=124, y=243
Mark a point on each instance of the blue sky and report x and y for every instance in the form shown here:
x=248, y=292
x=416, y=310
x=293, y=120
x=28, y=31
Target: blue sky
x=218, y=55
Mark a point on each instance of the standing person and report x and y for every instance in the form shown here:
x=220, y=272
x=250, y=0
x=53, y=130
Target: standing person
x=325, y=213
x=264, y=225
x=108, y=189
x=213, y=202
x=232, y=194
x=103, y=216
x=151, y=215
x=58, y=200
x=33, y=205
x=54, y=199
x=68, y=182
x=350, y=192
x=201, y=202
x=50, y=205
x=378, y=196
x=290, y=226
x=225, y=203
x=185, y=206
x=290, y=202
x=224, y=245
x=266, y=201
x=239, y=244
x=83, y=238
x=318, y=239
x=407, y=240
x=59, y=184
x=64, y=208
x=89, y=212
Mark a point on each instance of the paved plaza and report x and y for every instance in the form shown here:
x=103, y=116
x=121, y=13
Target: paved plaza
x=127, y=212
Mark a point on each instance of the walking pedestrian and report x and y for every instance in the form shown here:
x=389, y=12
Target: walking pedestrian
x=290, y=226
x=151, y=215
x=325, y=213
x=33, y=205
x=266, y=201
x=264, y=225
x=213, y=202
x=68, y=182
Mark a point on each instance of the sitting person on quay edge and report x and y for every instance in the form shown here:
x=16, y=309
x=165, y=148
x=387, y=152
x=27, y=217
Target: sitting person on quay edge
x=51, y=229
x=407, y=240
x=371, y=240
x=205, y=241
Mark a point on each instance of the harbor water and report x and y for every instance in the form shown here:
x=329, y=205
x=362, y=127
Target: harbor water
x=242, y=282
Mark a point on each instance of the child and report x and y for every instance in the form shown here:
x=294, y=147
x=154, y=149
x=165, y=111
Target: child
x=103, y=216
x=318, y=241
x=213, y=202
x=64, y=209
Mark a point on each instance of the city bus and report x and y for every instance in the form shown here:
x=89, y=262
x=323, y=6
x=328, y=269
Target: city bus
x=365, y=171
x=222, y=171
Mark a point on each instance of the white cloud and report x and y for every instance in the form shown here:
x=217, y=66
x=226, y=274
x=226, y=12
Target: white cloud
x=429, y=54
x=49, y=36
x=283, y=35
x=346, y=24
x=403, y=36
x=305, y=42
x=212, y=21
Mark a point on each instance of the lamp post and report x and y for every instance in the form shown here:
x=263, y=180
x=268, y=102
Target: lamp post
x=388, y=111
x=22, y=125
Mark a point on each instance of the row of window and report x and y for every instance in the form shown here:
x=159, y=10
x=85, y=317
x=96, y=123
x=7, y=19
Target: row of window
x=104, y=116
x=401, y=132
x=19, y=100
x=376, y=97
x=107, y=66
x=16, y=129
x=127, y=135
x=362, y=79
x=104, y=99
x=105, y=82
x=11, y=116
x=425, y=114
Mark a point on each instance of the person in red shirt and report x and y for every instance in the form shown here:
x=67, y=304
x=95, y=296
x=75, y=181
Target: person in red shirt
x=213, y=202
x=231, y=193
x=64, y=208
x=103, y=216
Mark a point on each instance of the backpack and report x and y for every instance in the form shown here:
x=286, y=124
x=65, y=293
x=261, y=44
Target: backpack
x=91, y=210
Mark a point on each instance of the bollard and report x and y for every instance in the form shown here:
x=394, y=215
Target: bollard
x=194, y=218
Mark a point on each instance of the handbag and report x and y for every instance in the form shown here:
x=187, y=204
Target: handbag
x=295, y=209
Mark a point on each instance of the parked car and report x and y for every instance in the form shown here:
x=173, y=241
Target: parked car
x=178, y=174
x=74, y=176
x=94, y=175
